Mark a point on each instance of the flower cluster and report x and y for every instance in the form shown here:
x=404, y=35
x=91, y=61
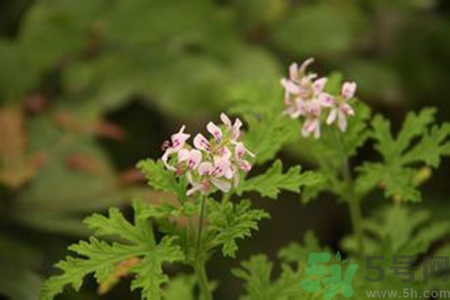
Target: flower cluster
x=305, y=97
x=211, y=163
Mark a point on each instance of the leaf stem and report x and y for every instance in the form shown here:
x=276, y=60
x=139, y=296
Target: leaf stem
x=202, y=278
x=200, y=263
x=349, y=194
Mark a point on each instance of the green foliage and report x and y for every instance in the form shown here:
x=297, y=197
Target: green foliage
x=161, y=180
x=257, y=274
x=337, y=24
x=101, y=258
x=419, y=143
x=398, y=229
x=180, y=287
x=269, y=129
x=230, y=222
x=270, y=183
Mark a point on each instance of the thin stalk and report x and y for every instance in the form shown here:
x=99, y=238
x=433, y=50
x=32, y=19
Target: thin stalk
x=350, y=196
x=202, y=278
x=200, y=263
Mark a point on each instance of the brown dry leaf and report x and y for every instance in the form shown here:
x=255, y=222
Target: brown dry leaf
x=16, y=168
x=86, y=163
x=100, y=128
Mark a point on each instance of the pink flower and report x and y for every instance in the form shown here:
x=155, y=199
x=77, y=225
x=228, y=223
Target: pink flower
x=235, y=128
x=312, y=122
x=212, y=163
x=342, y=109
x=305, y=98
x=191, y=157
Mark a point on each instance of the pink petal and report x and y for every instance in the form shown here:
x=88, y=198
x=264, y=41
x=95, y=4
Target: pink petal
x=290, y=86
x=179, y=138
x=221, y=185
x=195, y=157
x=183, y=155
x=306, y=64
x=347, y=109
x=319, y=84
x=236, y=130
x=215, y=131
x=245, y=166
x=165, y=159
x=205, y=168
x=225, y=120
x=348, y=90
x=201, y=143
x=332, y=116
x=293, y=72
x=342, y=121
x=325, y=99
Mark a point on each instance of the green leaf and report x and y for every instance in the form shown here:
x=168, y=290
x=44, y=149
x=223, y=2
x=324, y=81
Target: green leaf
x=270, y=183
x=161, y=179
x=257, y=274
x=269, y=129
x=101, y=257
x=418, y=144
x=180, y=287
x=296, y=252
x=398, y=229
x=230, y=222
x=336, y=28
x=338, y=256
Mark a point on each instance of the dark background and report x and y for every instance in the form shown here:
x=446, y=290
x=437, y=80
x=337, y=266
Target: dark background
x=88, y=88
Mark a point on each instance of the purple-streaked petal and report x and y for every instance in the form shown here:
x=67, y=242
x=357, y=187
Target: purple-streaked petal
x=319, y=84
x=205, y=168
x=348, y=90
x=201, y=143
x=215, y=131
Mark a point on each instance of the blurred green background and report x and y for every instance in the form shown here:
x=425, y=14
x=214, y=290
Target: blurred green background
x=89, y=87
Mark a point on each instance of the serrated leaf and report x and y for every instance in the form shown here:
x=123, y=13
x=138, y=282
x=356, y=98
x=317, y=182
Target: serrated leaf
x=273, y=181
x=162, y=180
x=230, y=222
x=101, y=257
x=418, y=143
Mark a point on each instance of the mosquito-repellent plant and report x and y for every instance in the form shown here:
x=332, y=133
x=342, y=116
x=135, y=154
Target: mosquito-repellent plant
x=204, y=186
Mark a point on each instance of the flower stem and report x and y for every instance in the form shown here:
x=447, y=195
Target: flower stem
x=202, y=278
x=350, y=195
x=200, y=263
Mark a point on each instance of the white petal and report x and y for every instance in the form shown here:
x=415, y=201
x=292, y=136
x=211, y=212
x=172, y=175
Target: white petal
x=332, y=116
x=348, y=90
x=222, y=185
x=305, y=64
x=225, y=120
x=183, y=155
x=319, y=84
x=215, y=131
x=290, y=86
x=201, y=143
x=342, y=121
x=195, y=158
x=293, y=72
x=325, y=99
x=205, y=168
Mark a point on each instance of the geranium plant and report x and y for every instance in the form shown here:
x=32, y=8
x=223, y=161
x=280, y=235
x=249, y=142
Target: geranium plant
x=201, y=208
